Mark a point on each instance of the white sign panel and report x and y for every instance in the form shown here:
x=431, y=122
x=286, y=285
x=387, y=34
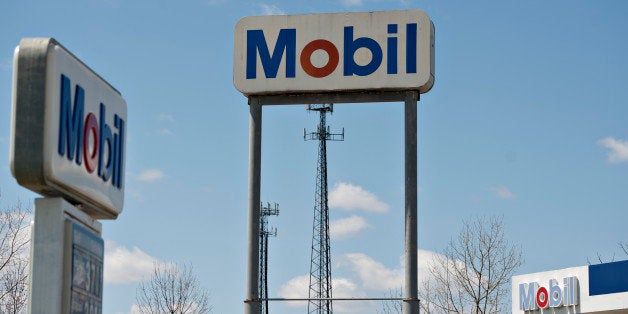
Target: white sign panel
x=68, y=129
x=339, y=52
x=600, y=288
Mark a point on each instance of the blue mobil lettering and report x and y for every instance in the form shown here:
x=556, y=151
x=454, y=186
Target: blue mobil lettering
x=532, y=296
x=78, y=129
x=285, y=48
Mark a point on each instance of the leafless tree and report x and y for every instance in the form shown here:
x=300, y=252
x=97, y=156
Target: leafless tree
x=14, y=240
x=172, y=290
x=623, y=246
x=392, y=306
x=473, y=274
x=14, y=284
x=395, y=306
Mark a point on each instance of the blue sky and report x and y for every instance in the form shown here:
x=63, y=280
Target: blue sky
x=527, y=119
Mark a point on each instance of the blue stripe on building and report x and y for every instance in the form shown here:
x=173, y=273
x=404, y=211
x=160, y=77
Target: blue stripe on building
x=608, y=278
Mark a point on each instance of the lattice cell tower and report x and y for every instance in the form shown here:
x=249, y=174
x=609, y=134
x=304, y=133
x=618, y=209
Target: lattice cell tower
x=320, y=291
x=265, y=232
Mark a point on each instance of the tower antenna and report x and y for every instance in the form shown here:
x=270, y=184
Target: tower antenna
x=320, y=291
x=265, y=233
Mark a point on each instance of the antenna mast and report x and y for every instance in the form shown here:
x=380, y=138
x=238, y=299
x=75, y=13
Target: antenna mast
x=264, y=233
x=320, y=291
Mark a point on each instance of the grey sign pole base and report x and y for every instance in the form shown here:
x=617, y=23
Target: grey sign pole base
x=411, y=306
x=252, y=304
x=410, y=98
x=59, y=228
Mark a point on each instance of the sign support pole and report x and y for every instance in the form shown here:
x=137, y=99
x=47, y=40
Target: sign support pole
x=411, y=305
x=252, y=304
x=51, y=256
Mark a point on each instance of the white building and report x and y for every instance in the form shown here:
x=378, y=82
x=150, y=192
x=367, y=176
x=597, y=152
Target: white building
x=601, y=288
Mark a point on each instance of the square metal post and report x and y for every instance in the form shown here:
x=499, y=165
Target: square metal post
x=252, y=304
x=411, y=304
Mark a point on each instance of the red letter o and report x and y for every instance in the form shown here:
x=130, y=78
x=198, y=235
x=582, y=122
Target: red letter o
x=90, y=129
x=332, y=63
x=542, y=292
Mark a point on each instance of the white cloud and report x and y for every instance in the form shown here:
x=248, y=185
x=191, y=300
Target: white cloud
x=425, y=258
x=135, y=309
x=375, y=276
x=216, y=2
x=357, y=3
x=271, y=9
x=295, y=288
x=166, y=117
x=372, y=275
x=618, y=149
x=298, y=288
x=151, y=175
x=364, y=276
x=165, y=131
x=347, y=196
x=123, y=266
x=502, y=192
x=352, y=3
x=347, y=227
x=345, y=288
x=6, y=64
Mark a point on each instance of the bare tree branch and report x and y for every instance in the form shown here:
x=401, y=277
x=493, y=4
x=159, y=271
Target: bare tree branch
x=172, y=290
x=624, y=247
x=474, y=273
x=392, y=306
x=14, y=241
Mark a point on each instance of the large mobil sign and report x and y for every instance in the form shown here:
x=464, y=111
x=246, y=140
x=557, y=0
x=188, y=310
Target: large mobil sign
x=68, y=129
x=339, y=52
x=601, y=288
x=554, y=294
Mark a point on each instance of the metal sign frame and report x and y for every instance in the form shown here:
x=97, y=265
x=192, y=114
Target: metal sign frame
x=252, y=304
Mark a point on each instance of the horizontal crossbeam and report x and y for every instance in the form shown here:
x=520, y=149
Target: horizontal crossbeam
x=333, y=299
x=336, y=98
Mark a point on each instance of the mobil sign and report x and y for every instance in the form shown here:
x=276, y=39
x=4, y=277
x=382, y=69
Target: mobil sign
x=339, y=52
x=601, y=288
x=68, y=129
x=555, y=293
